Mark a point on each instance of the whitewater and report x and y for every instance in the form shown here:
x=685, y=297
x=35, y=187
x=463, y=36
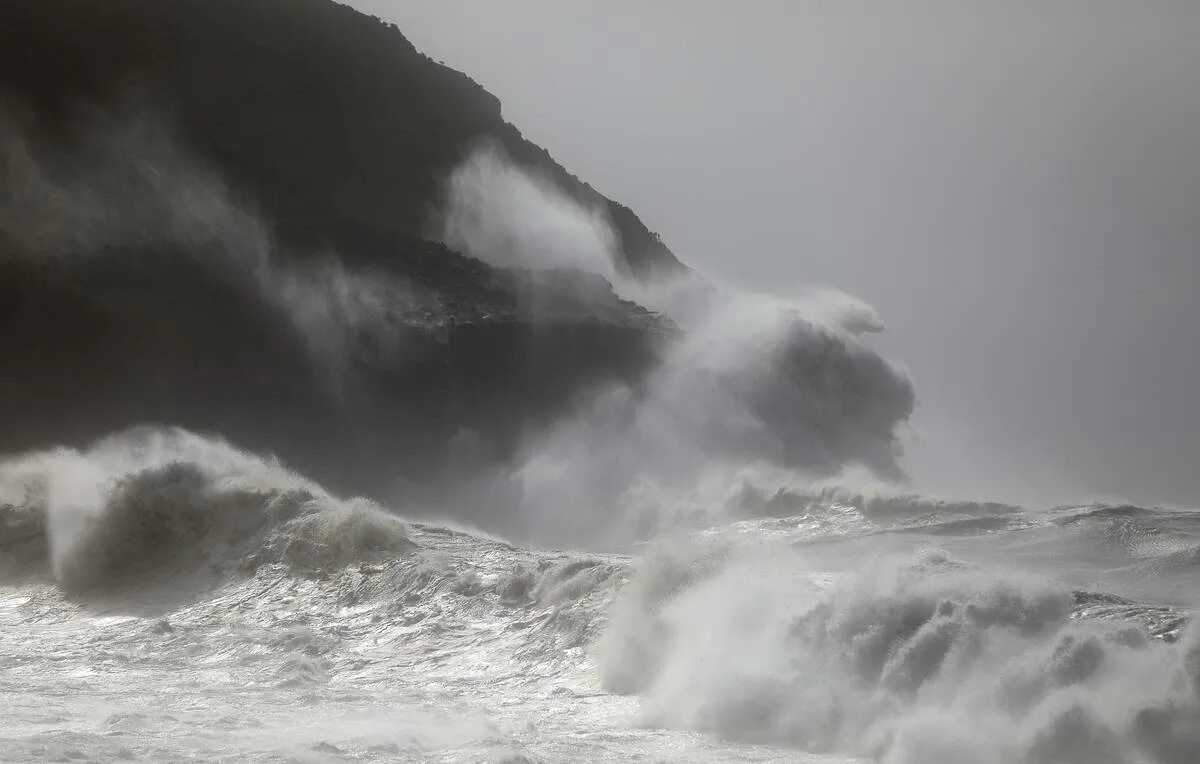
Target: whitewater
x=723, y=562
x=168, y=596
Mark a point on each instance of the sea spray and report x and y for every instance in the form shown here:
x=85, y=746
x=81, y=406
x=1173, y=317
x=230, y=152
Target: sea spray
x=752, y=380
x=148, y=504
x=906, y=660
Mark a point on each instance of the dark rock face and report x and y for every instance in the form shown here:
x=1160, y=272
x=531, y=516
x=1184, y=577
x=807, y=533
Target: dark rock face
x=335, y=130
x=100, y=346
x=329, y=119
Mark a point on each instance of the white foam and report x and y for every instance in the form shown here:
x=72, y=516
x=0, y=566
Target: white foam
x=754, y=381
x=152, y=501
x=922, y=660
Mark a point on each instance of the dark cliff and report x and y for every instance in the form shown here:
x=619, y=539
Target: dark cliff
x=337, y=133
x=330, y=119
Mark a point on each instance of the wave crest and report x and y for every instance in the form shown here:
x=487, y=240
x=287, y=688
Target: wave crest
x=926, y=661
x=153, y=503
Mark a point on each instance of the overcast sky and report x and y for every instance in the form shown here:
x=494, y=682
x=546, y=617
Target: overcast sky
x=1014, y=186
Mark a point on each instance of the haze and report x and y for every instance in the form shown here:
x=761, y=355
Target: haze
x=1015, y=188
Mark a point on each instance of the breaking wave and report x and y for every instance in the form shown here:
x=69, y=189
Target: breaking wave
x=151, y=503
x=902, y=657
x=924, y=660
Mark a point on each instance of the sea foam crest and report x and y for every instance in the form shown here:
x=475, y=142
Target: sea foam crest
x=922, y=660
x=152, y=502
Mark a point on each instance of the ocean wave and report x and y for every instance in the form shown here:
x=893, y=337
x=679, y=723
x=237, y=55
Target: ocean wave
x=1074, y=514
x=1152, y=543
x=926, y=660
x=891, y=503
x=151, y=503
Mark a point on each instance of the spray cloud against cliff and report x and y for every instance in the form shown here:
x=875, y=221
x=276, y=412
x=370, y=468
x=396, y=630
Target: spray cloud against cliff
x=125, y=188
x=752, y=385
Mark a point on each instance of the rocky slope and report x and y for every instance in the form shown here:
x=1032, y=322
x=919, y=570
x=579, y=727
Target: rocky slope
x=329, y=119
x=195, y=285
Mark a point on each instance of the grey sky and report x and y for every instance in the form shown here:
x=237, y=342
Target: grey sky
x=1014, y=186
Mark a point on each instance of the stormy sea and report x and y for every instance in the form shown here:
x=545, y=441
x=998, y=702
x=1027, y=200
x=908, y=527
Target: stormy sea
x=340, y=423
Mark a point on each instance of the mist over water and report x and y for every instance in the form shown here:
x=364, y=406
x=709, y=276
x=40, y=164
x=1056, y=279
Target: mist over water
x=743, y=558
x=749, y=384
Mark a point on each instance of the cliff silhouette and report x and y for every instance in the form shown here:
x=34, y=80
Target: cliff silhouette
x=331, y=127
x=328, y=118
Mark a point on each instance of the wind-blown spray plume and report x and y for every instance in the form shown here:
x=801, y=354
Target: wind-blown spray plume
x=513, y=218
x=127, y=185
x=751, y=381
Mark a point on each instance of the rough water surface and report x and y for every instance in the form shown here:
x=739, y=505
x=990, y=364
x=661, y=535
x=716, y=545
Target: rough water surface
x=167, y=596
